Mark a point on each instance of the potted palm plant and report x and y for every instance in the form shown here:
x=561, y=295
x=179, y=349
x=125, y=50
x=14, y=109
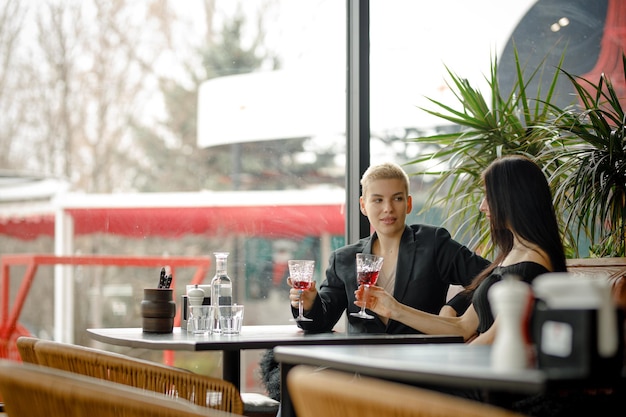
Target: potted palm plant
x=488, y=126
x=581, y=148
x=589, y=163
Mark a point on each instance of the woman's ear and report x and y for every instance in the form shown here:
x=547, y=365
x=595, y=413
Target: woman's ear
x=362, y=206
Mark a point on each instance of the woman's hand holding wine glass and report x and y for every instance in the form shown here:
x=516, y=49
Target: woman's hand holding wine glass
x=367, y=269
x=301, y=278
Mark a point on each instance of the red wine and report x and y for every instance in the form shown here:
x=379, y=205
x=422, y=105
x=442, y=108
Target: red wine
x=302, y=285
x=367, y=278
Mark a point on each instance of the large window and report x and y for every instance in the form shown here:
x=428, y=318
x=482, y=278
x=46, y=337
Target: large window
x=238, y=110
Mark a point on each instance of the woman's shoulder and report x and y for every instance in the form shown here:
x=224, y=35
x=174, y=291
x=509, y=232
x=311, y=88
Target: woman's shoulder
x=436, y=235
x=426, y=228
x=352, y=249
x=527, y=270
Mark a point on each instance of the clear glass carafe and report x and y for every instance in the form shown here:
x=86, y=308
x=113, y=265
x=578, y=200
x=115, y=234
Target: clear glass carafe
x=221, y=286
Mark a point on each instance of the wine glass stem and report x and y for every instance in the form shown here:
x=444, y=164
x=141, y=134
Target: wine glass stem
x=300, y=305
x=365, y=291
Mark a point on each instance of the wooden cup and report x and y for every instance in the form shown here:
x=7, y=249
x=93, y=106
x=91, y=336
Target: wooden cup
x=158, y=310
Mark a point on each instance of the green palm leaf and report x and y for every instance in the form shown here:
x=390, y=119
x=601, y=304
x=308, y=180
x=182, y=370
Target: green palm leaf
x=488, y=126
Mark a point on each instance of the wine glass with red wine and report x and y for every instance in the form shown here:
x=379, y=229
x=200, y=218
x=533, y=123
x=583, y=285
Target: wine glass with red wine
x=367, y=270
x=301, y=274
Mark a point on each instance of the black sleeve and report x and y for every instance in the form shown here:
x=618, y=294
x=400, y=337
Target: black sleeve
x=461, y=301
x=457, y=264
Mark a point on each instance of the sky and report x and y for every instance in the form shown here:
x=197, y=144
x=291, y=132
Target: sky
x=410, y=43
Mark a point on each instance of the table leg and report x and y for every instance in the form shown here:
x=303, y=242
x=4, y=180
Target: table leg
x=231, y=367
x=286, y=407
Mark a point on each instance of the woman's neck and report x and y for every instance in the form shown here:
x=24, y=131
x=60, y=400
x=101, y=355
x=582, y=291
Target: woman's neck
x=524, y=251
x=386, y=246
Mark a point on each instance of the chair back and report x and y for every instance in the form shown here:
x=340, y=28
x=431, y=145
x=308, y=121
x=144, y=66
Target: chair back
x=32, y=390
x=324, y=392
x=200, y=389
x=26, y=348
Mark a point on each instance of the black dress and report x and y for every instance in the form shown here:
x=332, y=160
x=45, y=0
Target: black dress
x=525, y=271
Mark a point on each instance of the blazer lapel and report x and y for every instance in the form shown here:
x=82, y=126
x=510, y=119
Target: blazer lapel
x=406, y=263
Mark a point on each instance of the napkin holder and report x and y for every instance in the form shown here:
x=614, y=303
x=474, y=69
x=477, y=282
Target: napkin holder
x=577, y=328
x=184, y=302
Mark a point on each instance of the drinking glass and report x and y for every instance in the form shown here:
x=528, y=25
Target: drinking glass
x=301, y=274
x=200, y=320
x=231, y=318
x=367, y=270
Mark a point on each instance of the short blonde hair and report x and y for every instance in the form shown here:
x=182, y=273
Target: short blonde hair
x=384, y=171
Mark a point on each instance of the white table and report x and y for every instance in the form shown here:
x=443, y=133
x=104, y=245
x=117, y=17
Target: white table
x=455, y=365
x=251, y=337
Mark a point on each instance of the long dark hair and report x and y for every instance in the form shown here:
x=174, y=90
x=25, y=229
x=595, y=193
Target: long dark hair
x=519, y=199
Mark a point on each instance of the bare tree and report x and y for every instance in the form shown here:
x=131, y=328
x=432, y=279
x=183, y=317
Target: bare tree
x=110, y=100
x=91, y=86
x=12, y=108
x=70, y=86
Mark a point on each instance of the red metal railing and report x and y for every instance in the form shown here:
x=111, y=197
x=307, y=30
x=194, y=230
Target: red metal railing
x=10, y=329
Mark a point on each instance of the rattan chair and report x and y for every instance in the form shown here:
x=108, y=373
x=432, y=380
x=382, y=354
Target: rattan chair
x=26, y=348
x=31, y=390
x=200, y=389
x=323, y=392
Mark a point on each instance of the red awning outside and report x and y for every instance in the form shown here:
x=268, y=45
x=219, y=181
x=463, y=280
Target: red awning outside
x=28, y=228
x=291, y=216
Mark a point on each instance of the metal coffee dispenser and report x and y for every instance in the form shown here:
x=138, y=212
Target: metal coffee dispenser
x=576, y=327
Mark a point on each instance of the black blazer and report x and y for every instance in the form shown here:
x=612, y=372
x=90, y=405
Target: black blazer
x=429, y=261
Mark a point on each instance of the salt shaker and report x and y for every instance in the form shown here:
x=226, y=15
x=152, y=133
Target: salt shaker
x=195, y=296
x=509, y=300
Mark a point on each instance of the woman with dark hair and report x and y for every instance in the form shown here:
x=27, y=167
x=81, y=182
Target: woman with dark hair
x=524, y=229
